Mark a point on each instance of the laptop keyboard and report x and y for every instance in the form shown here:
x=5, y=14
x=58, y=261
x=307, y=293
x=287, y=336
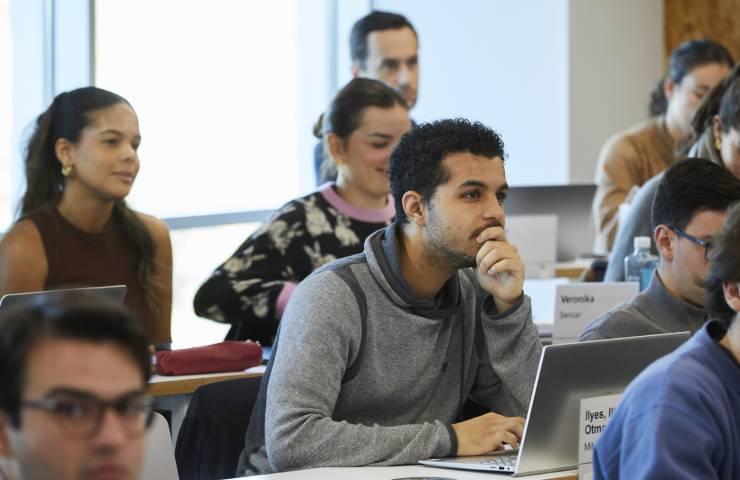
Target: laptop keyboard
x=498, y=460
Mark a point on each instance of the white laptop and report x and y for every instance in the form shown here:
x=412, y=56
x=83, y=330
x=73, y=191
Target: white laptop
x=113, y=292
x=566, y=374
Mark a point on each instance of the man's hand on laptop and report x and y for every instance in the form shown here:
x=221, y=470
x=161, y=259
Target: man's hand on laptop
x=499, y=268
x=489, y=432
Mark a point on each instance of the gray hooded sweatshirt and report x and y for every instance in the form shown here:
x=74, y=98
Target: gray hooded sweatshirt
x=365, y=373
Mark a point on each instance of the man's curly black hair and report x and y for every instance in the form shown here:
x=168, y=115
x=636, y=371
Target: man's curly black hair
x=416, y=162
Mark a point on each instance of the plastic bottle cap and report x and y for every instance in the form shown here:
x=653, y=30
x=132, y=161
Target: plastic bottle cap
x=642, y=242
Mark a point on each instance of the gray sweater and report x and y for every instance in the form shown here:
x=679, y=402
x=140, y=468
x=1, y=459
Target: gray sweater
x=375, y=376
x=655, y=310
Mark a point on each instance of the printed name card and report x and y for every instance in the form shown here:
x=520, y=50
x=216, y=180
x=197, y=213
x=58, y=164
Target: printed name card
x=595, y=414
x=576, y=304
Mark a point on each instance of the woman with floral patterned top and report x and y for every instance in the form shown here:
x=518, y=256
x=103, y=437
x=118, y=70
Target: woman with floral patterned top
x=250, y=290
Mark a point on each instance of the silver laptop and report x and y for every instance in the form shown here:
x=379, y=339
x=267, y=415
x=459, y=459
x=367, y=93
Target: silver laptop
x=567, y=373
x=114, y=293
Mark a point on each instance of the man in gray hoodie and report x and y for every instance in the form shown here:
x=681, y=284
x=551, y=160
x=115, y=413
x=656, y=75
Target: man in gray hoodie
x=377, y=352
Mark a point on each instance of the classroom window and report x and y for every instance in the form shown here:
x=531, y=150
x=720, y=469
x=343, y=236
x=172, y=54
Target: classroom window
x=6, y=117
x=198, y=252
x=226, y=92
x=214, y=85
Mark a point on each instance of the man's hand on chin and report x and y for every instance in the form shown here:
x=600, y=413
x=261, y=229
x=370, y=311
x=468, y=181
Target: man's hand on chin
x=498, y=266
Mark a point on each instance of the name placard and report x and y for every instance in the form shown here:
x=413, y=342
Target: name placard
x=576, y=304
x=595, y=414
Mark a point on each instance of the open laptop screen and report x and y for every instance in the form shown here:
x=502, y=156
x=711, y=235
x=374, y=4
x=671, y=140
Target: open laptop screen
x=113, y=292
x=568, y=373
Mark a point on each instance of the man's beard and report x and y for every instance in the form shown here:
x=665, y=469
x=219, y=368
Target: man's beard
x=443, y=254
x=441, y=248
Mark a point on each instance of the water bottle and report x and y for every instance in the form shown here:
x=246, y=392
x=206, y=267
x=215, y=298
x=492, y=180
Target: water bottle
x=639, y=266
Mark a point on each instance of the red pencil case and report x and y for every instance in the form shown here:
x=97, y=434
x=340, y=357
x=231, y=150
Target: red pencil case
x=228, y=356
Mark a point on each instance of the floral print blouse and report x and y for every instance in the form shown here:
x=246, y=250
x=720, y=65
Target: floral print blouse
x=251, y=288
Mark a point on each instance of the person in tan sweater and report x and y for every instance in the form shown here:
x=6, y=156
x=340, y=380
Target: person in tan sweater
x=630, y=158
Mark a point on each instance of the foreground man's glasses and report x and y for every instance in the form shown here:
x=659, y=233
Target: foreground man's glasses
x=80, y=414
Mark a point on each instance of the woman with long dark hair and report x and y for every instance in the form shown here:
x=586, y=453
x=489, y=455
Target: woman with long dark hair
x=250, y=290
x=74, y=227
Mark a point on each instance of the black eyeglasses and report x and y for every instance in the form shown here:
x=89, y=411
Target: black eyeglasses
x=702, y=243
x=80, y=413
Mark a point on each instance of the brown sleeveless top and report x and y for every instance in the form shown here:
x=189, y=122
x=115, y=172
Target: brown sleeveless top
x=77, y=258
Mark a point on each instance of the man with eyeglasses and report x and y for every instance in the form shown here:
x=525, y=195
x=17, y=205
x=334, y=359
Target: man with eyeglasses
x=690, y=206
x=72, y=398
x=680, y=418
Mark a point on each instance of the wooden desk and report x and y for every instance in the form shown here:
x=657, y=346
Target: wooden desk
x=172, y=393
x=387, y=473
x=161, y=385
x=573, y=269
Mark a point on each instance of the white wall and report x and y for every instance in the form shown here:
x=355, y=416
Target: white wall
x=616, y=58
x=554, y=77
x=500, y=62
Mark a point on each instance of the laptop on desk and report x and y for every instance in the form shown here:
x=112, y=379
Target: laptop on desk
x=113, y=292
x=566, y=374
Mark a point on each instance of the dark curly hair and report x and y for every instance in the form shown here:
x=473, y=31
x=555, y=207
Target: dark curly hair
x=416, y=162
x=724, y=267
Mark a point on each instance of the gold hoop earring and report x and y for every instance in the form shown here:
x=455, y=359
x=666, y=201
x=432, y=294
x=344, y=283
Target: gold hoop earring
x=66, y=170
